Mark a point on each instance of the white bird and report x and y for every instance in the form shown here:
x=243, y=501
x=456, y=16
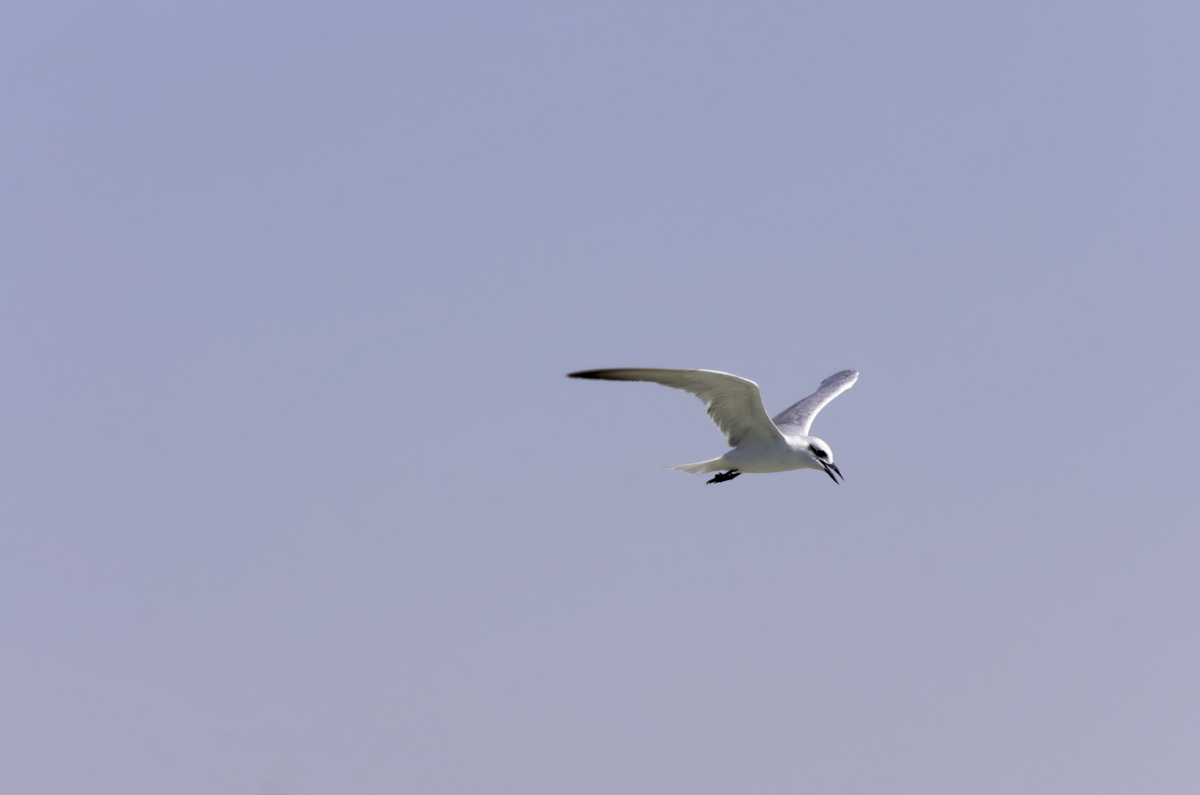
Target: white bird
x=759, y=444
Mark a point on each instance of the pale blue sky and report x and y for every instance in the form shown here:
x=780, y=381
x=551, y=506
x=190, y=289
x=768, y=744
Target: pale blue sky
x=298, y=501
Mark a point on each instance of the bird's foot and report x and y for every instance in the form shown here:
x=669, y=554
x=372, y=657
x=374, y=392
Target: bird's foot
x=724, y=476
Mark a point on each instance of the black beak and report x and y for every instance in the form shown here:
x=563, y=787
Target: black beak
x=830, y=469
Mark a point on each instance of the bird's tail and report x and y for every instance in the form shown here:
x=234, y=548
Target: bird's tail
x=700, y=467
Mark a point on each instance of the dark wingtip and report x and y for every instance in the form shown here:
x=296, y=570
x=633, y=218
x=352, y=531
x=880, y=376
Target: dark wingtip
x=598, y=375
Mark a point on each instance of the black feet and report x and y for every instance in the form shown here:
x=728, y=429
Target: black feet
x=724, y=476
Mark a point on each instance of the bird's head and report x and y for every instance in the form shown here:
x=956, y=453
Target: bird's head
x=824, y=457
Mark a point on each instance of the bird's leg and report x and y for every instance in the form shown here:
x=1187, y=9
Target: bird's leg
x=724, y=476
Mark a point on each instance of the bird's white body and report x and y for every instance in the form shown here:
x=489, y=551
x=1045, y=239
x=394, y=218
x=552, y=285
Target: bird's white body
x=782, y=455
x=759, y=443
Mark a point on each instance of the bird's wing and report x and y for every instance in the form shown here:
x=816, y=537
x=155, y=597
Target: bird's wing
x=734, y=403
x=798, y=418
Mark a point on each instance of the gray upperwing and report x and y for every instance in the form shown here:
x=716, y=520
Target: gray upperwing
x=797, y=419
x=734, y=403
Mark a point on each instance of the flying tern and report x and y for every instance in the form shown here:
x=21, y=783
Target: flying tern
x=760, y=444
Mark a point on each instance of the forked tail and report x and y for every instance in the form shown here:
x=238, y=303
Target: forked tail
x=701, y=467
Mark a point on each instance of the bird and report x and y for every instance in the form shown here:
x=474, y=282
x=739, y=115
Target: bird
x=759, y=443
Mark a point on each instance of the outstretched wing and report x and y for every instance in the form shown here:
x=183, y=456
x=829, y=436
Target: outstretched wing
x=734, y=403
x=798, y=418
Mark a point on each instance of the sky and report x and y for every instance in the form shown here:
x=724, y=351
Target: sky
x=298, y=500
